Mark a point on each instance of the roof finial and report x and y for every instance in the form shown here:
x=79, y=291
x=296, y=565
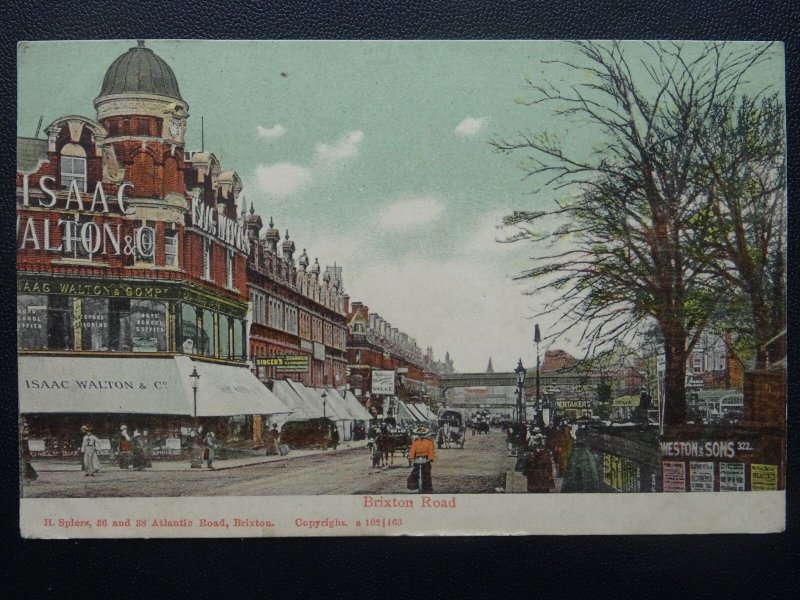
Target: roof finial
x=140, y=43
x=271, y=224
x=287, y=234
x=252, y=210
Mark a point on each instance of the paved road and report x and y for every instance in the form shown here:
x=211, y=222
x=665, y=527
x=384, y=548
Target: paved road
x=479, y=468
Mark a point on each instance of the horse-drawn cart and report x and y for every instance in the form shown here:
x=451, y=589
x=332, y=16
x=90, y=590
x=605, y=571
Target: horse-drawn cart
x=452, y=428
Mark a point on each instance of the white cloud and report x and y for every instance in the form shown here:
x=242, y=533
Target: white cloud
x=285, y=178
x=282, y=179
x=272, y=133
x=470, y=126
x=344, y=148
x=411, y=212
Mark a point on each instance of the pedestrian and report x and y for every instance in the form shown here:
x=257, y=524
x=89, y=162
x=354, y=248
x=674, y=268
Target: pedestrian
x=148, y=463
x=422, y=446
x=539, y=467
x=210, y=445
x=26, y=468
x=124, y=447
x=139, y=461
x=272, y=441
x=335, y=437
x=91, y=460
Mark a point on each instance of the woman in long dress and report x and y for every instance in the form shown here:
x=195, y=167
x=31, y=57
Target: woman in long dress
x=91, y=460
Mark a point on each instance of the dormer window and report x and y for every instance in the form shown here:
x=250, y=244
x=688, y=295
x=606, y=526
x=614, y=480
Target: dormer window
x=73, y=166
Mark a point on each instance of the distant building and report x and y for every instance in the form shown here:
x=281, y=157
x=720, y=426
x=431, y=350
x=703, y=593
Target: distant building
x=296, y=317
x=555, y=360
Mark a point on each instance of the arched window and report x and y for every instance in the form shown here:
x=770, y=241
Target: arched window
x=189, y=337
x=73, y=166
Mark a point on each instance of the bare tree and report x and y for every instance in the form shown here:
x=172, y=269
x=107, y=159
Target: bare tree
x=636, y=208
x=743, y=147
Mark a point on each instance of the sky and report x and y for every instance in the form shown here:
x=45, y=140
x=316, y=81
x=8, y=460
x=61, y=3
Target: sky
x=375, y=156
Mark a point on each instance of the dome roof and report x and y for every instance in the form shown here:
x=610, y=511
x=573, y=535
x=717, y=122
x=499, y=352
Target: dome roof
x=140, y=70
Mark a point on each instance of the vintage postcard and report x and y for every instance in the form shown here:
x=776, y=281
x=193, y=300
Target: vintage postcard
x=309, y=288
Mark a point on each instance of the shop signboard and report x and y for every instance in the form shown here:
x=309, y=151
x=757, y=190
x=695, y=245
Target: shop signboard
x=319, y=351
x=731, y=477
x=763, y=477
x=701, y=476
x=383, y=382
x=673, y=475
x=285, y=363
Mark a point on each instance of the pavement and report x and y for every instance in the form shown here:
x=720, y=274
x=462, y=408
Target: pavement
x=517, y=483
x=54, y=465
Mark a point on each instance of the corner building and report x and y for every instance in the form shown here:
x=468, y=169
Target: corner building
x=132, y=271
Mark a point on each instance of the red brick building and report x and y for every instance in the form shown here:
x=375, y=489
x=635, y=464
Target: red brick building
x=374, y=345
x=298, y=327
x=132, y=269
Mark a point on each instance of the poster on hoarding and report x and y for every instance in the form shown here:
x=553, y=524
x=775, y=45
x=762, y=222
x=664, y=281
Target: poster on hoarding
x=673, y=475
x=156, y=306
x=383, y=382
x=731, y=477
x=701, y=476
x=763, y=477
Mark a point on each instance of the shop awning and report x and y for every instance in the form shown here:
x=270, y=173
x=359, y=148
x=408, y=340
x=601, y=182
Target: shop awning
x=225, y=390
x=356, y=412
x=161, y=386
x=301, y=410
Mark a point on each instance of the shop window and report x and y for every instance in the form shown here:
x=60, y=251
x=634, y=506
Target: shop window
x=31, y=322
x=208, y=341
x=189, y=330
x=239, y=352
x=224, y=337
x=171, y=248
x=119, y=324
x=148, y=321
x=73, y=166
x=94, y=324
x=60, y=316
x=207, y=258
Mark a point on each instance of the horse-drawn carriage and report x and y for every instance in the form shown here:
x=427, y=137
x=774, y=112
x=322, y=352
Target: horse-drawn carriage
x=452, y=428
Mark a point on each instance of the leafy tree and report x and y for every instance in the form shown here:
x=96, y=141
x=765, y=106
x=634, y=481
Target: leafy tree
x=637, y=209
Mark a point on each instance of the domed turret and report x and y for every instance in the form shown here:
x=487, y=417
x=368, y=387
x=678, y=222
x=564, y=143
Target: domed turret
x=141, y=84
x=140, y=71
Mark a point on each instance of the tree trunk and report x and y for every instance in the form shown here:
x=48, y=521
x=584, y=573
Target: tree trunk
x=674, y=376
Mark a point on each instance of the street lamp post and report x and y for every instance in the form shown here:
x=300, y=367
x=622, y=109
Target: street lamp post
x=538, y=420
x=324, y=396
x=520, y=371
x=195, y=376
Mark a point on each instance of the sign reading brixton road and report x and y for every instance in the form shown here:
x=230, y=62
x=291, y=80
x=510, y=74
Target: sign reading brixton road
x=285, y=363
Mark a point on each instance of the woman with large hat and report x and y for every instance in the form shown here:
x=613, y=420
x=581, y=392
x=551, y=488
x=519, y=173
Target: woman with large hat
x=91, y=460
x=422, y=446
